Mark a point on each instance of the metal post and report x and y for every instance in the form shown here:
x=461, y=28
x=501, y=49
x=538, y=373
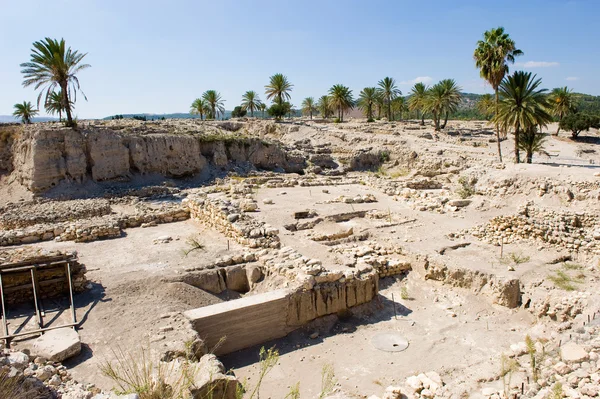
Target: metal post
x=3, y=307
x=74, y=316
x=35, y=298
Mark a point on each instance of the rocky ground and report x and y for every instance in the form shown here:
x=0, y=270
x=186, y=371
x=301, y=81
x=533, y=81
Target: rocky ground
x=489, y=270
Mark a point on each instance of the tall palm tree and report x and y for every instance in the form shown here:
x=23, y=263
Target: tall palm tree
x=214, y=103
x=523, y=106
x=341, y=99
x=200, y=107
x=324, y=106
x=389, y=91
x=562, y=103
x=279, y=88
x=416, y=101
x=452, y=97
x=54, y=65
x=486, y=105
x=366, y=101
x=25, y=111
x=434, y=103
x=54, y=104
x=250, y=101
x=492, y=56
x=309, y=106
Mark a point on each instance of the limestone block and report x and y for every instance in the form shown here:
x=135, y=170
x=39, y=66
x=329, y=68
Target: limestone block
x=58, y=345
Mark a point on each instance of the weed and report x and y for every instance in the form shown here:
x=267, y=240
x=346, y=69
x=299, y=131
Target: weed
x=571, y=266
x=384, y=156
x=557, y=391
x=516, y=258
x=563, y=280
x=508, y=367
x=194, y=245
x=294, y=392
x=327, y=381
x=16, y=388
x=380, y=171
x=399, y=173
x=141, y=376
x=268, y=360
x=404, y=293
x=535, y=358
x=467, y=188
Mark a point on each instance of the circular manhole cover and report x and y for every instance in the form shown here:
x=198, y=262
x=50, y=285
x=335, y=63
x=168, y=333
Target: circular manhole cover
x=389, y=342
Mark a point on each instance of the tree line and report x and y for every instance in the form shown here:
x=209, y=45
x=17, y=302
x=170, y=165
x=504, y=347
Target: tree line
x=519, y=105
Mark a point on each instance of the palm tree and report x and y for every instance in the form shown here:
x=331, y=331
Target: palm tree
x=452, y=97
x=389, y=91
x=262, y=106
x=531, y=141
x=523, y=106
x=416, y=101
x=399, y=106
x=366, y=101
x=442, y=99
x=250, y=101
x=54, y=104
x=486, y=105
x=324, y=106
x=308, y=106
x=25, y=111
x=279, y=88
x=341, y=99
x=54, y=65
x=492, y=56
x=214, y=103
x=200, y=107
x=562, y=103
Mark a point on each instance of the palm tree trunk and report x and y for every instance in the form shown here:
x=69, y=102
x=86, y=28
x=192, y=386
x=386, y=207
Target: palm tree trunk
x=63, y=87
x=436, y=121
x=498, y=127
x=558, y=130
x=422, y=118
x=389, y=109
x=445, y=121
x=517, y=154
x=529, y=156
x=59, y=115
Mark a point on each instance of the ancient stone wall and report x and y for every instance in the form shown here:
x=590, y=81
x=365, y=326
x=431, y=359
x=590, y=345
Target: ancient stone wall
x=564, y=229
x=230, y=219
x=258, y=318
x=47, y=156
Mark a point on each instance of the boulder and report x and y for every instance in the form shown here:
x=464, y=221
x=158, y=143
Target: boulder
x=210, y=380
x=236, y=279
x=58, y=345
x=573, y=353
x=459, y=203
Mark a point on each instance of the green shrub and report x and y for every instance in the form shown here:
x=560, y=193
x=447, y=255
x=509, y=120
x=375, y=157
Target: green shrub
x=238, y=112
x=336, y=120
x=578, y=122
x=467, y=188
x=370, y=120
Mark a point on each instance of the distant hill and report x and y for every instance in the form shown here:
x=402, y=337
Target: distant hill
x=177, y=115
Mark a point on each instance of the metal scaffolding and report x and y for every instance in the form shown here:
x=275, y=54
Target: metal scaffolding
x=34, y=268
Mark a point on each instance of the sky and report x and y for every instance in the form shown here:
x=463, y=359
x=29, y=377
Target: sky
x=158, y=56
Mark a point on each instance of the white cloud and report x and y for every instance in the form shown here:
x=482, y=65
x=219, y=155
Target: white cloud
x=418, y=79
x=572, y=78
x=537, y=64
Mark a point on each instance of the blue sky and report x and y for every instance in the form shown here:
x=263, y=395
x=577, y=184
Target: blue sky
x=157, y=56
